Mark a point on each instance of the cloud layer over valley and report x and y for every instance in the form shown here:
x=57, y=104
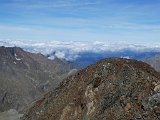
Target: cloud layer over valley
x=74, y=49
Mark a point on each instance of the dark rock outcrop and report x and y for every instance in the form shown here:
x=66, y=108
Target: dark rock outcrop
x=26, y=76
x=111, y=89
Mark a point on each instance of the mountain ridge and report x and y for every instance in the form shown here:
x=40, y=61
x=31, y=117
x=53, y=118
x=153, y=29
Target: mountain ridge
x=112, y=88
x=26, y=76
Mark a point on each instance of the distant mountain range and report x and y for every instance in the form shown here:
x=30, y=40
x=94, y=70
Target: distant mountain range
x=26, y=76
x=88, y=58
x=82, y=54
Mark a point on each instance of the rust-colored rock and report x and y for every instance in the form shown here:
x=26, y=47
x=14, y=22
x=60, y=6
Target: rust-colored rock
x=111, y=89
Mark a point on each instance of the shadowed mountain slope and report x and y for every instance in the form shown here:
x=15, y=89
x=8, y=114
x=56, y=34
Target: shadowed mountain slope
x=111, y=89
x=25, y=76
x=154, y=62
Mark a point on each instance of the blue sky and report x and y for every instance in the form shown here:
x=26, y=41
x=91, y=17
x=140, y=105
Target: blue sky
x=136, y=21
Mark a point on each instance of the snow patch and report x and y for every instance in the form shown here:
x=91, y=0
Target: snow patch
x=51, y=57
x=18, y=59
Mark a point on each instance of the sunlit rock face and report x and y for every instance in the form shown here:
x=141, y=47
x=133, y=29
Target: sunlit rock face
x=111, y=89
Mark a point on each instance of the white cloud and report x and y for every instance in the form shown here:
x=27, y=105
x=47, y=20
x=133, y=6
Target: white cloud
x=60, y=54
x=16, y=28
x=34, y=4
x=70, y=50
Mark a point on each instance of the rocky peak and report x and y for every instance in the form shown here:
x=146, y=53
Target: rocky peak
x=111, y=89
x=9, y=52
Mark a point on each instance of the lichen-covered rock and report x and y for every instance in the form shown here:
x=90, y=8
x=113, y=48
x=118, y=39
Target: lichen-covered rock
x=111, y=89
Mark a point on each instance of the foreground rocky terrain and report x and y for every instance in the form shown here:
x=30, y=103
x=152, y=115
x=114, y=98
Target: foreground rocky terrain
x=111, y=89
x=25, y=76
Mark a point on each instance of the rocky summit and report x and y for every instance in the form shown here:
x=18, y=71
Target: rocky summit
x=111, y=89
x=26, y=76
